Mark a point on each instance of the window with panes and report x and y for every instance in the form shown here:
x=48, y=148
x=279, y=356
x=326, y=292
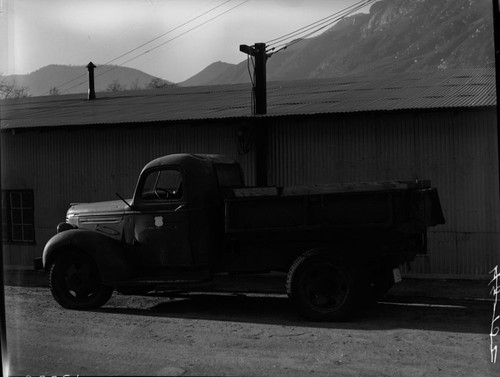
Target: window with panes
x=18, y=225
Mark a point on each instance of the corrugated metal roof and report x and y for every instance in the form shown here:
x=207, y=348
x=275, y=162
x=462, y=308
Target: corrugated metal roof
x=444, y=89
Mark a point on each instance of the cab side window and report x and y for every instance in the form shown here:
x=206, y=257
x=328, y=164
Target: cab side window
x=162, y=185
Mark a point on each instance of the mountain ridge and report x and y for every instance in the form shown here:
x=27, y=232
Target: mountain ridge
x=212, y=70
x=74, y=79
x=396, y=36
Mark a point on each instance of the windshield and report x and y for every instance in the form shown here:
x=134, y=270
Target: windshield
x=162, y=185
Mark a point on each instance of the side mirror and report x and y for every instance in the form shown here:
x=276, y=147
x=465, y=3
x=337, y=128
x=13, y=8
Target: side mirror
x=124, y=201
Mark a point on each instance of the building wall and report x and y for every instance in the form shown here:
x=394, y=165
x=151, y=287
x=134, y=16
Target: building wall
x=64, y=166
x=456, y=150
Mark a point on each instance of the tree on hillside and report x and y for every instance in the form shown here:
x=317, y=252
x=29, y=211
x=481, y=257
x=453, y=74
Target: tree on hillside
x=157, y=83
x=11, y=90
x=134, y=85
x=115, y=86
x=54, y=91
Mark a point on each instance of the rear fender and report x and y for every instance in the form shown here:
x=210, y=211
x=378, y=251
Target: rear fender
x=109, y=254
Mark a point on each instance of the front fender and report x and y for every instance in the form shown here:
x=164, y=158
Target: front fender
x=110, y=255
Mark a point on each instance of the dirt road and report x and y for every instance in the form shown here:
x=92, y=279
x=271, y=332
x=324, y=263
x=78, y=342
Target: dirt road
x=246, y=335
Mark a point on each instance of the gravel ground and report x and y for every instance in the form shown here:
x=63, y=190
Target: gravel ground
x=422, y=328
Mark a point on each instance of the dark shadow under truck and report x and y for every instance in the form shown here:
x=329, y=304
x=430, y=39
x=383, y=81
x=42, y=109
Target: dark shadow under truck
x=191, y=217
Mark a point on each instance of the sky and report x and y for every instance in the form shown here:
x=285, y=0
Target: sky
x=185, y=35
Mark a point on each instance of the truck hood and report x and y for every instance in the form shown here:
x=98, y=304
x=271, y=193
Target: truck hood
x=111, y=207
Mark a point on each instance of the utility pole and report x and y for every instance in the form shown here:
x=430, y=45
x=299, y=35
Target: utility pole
x=3, y=326
x=258, y=51
x=259, y=93
x=496, y=38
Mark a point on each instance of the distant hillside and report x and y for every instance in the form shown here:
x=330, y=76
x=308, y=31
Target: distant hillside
x=213, y=70
x=42, y=80
x=396, y=36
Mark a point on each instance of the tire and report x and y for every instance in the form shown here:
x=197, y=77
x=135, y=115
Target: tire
x=322, y=288
x=75, y=282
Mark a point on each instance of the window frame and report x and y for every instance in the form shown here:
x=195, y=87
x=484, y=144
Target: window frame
x=8, y=217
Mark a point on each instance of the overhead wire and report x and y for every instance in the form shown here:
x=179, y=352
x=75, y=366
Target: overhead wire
x=274, y=45
x=329, y=17
x=178, y=42
x=140, y=46
x=277, y=44
x=280, y=43
x=152, y=40
x=165, y=33
x=125, y=31
x=176, y=37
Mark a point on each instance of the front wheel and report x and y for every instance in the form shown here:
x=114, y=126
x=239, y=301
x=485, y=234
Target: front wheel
x=322, y=288
x=75, y=282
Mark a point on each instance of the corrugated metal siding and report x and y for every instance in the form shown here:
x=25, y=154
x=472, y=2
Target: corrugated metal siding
x=92, y=165
x=456, y=150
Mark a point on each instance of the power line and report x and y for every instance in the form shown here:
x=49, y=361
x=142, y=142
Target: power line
x=328, y=18
x=67, y=82
x=308, y=30
x=261, y=52
x=119, y=35
x=142, y=45
x=146, y=43
x=174, y=38
x=167, y=32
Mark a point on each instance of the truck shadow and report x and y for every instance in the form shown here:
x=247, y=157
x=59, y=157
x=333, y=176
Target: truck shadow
x=420, y=313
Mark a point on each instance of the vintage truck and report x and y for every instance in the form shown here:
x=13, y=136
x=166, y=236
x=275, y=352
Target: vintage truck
x=191, y=218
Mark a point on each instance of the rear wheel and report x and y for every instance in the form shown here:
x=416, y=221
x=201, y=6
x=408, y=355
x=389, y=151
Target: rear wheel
x=321, y=288
x=75, y=282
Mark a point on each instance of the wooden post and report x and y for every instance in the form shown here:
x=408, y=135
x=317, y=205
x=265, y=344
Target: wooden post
x=261, y=154
x=258, y=51
x=260, y=79
x=3, y=326
x=259, y=90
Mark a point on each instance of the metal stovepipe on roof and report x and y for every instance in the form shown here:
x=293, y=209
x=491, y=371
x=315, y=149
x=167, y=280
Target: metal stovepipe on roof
x=91, y=66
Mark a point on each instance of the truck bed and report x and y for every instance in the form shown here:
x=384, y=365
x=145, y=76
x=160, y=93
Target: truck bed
x=378, y=205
